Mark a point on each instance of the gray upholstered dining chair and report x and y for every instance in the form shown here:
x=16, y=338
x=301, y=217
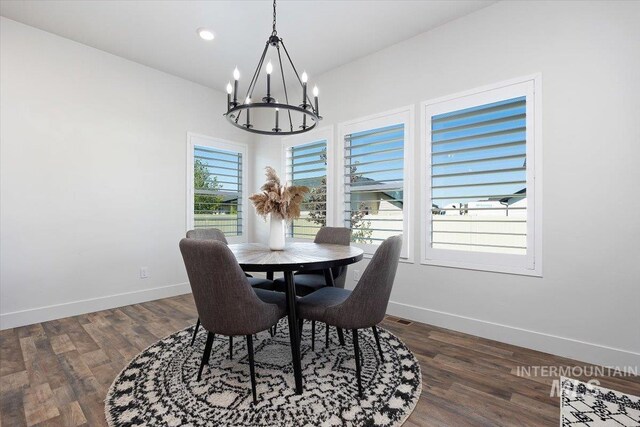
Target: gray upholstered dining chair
x=310, y=281
x=226, y=303
x=255, y=282
x=365, y=306
x=207, y=234
x=217, y=234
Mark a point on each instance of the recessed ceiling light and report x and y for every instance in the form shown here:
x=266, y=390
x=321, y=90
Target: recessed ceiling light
x=206, y=34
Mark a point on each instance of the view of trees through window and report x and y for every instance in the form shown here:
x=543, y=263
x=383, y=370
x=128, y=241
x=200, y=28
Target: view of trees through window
x=217, y=179
x=307, y=165
x=374, y=183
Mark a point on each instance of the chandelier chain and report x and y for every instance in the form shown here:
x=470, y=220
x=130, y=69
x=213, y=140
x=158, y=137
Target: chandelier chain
x=284, y=85
x=308, y=99
x=274, y=32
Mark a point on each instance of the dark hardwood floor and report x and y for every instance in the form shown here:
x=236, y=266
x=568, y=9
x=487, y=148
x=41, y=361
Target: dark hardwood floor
x=58, y=372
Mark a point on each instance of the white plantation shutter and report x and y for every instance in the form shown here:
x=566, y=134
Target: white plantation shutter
x=374, y=183
x=217, y=200
x=480, y=176
x=307, y=165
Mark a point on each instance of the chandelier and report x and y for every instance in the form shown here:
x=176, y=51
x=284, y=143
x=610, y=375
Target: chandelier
x=297, y=118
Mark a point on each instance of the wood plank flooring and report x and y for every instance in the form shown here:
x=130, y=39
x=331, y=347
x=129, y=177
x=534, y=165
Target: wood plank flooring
x=57, y=373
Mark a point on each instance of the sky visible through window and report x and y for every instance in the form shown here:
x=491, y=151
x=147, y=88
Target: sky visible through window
x=378, y=155
x=306, y=159
x=464, y=143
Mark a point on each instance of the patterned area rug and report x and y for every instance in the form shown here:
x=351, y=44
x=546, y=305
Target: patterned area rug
x=589, y=405
x=159, y=386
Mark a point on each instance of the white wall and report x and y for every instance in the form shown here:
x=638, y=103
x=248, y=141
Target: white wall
x=93, y=172
x=93, y=164
x=586, y=304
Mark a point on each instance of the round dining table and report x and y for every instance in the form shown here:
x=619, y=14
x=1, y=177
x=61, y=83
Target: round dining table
x=297, y=256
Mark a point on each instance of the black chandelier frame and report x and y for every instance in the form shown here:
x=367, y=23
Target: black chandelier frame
x=235, y=108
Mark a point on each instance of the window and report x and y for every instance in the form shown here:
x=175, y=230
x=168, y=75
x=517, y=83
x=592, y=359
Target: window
x=480, y=175
x=306, y=159
x=215, y=194
x=376, y=159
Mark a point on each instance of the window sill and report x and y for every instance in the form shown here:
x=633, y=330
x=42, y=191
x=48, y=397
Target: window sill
x=503, y=269
x=408, y=260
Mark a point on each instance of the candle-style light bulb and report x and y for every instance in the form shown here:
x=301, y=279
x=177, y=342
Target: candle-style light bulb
x=304, y=78
x=229, y=90
x=247, y=102
x=269, y=71
x=276, y=129
x=315, y=99
x=236, y=77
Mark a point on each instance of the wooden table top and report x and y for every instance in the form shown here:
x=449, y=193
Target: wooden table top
x=295, y=256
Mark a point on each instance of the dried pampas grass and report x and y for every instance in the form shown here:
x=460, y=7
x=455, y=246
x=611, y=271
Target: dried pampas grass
x=278, y=199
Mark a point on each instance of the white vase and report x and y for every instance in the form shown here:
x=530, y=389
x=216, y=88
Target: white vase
x=276, y=232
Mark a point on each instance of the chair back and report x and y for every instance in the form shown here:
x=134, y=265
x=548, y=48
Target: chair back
x=334, y=235
x=367, y=304
x=207, y=234
x=224, y=298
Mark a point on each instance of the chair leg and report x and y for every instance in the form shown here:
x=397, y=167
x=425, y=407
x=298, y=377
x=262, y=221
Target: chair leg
x=313, y=335
x=252, y=368
x=274, y=329
x=340, y=336
x=195, y=332
x=375, y=334
x=356, y=349
x=300, y=326
x=230, y=347
x=205, y=355
x=326, y=336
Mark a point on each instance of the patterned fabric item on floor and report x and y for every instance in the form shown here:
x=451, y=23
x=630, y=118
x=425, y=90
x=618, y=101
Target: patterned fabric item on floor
x=159, y=386
x=585, y=404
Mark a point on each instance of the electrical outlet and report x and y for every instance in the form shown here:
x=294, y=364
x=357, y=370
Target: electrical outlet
x=144, y=272
x=356, y=274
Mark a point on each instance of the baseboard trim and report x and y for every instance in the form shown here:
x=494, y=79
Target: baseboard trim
x=560, y=346
x=74, y=308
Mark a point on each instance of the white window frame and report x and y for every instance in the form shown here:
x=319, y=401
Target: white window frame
x=318, y=134
x=405, y=115
x=531, y=263
x=194, y=139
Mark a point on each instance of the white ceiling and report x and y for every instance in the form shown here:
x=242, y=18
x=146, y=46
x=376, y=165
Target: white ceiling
x=320, y=35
